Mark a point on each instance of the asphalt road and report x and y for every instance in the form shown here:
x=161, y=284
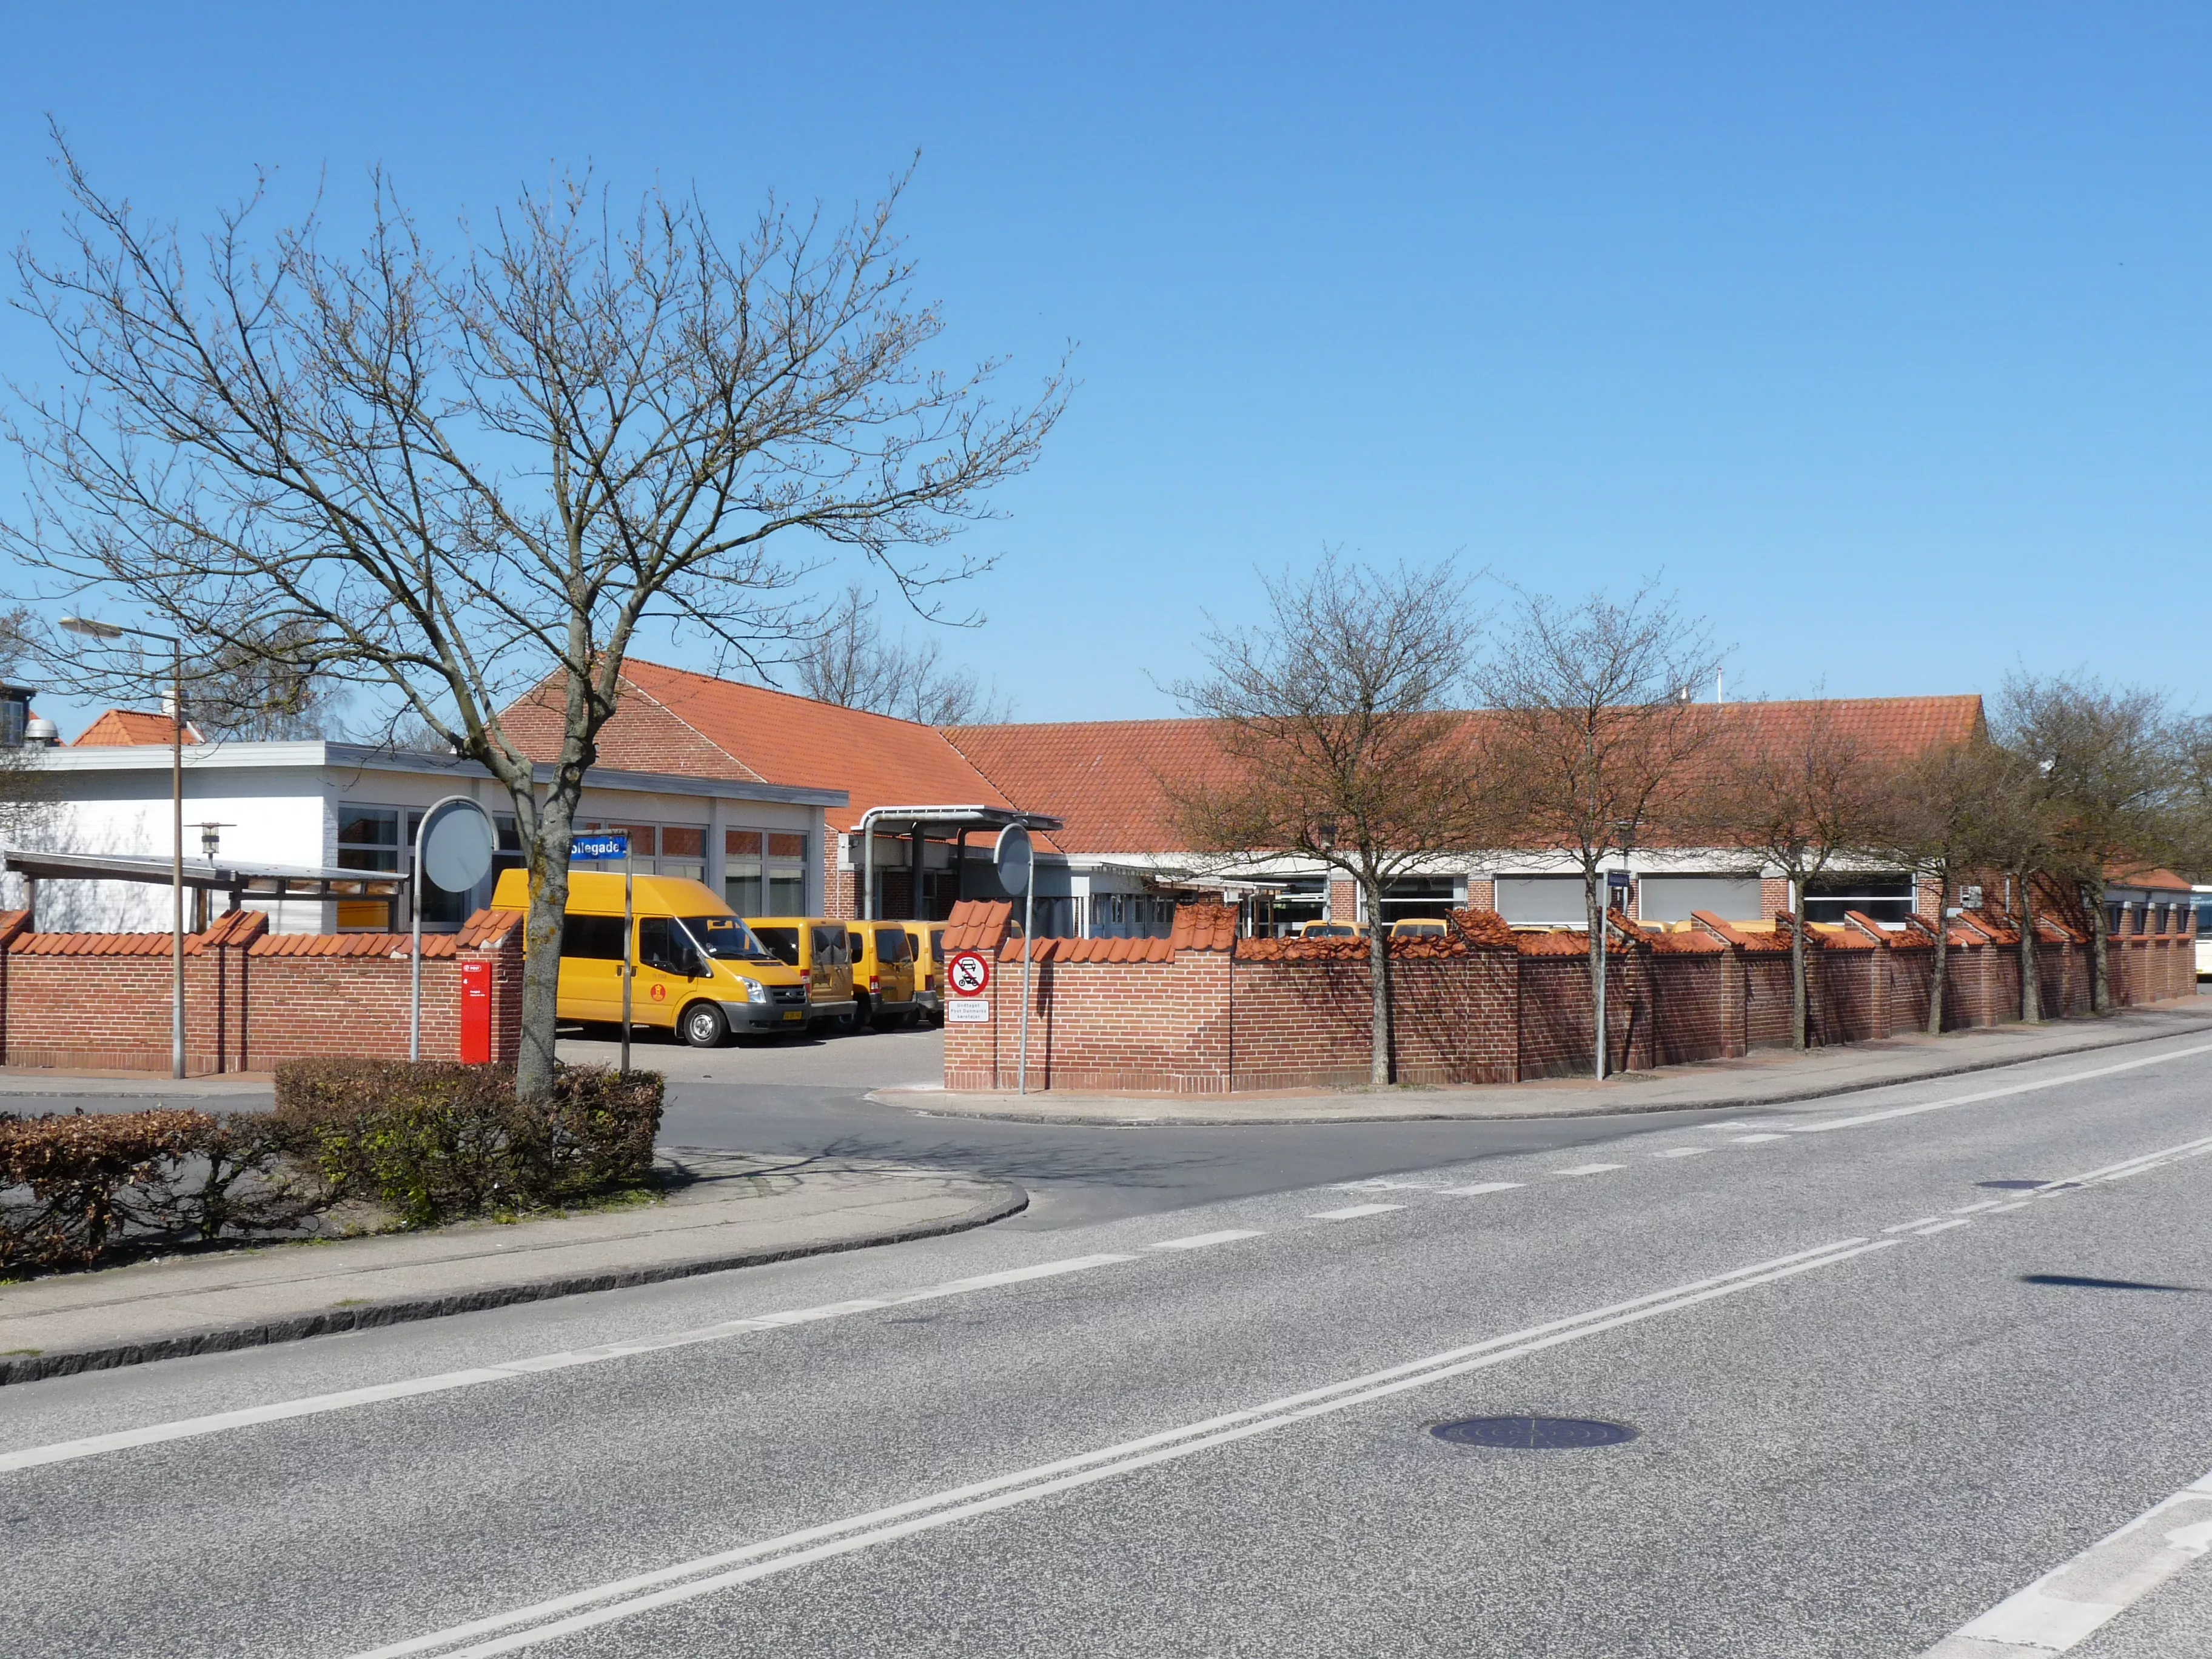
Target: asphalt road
x=1863, y=1418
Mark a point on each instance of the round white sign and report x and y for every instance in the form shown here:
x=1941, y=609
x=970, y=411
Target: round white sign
x=457, y=847
x=1012, y=855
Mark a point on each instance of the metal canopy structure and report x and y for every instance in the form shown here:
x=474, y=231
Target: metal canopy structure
x=919, y=821
x=269, y=881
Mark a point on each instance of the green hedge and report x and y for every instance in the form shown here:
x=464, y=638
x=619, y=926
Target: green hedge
x=426, y=1142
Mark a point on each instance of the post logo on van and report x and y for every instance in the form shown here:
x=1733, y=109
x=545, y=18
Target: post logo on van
x=660, y=993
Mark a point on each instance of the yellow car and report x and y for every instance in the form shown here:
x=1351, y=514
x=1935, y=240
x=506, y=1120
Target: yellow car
x=928, y=940
x=696, y=968
x=1333, y=930
x=882, y=974
x=817, y=949
x=1421, y=927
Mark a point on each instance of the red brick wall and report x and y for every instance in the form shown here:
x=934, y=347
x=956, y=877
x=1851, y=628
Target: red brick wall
x=1197, y=1023
x=247, y=1006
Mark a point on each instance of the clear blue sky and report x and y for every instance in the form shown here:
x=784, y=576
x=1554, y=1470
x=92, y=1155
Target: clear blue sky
x=1881, y=328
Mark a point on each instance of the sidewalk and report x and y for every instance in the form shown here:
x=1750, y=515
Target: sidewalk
x=1768, y=1078
x=736, y=1210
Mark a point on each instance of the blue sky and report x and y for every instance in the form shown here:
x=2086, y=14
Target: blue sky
x=1882, y=331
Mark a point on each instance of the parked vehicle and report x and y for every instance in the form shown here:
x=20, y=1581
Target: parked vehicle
x=2202, y=896
x=1333, y=930
x=697, y=969
x=883, y=975
x=817, y=948
x=927, y=939
x=1420, y=928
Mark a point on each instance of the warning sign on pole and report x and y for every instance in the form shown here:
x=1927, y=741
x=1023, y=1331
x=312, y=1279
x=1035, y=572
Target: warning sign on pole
x=968, y=973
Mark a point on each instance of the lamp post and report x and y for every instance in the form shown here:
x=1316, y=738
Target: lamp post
x=92, y=629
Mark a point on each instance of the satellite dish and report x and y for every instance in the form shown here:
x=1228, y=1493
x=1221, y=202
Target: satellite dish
x=457, y=847
x=1012, y=855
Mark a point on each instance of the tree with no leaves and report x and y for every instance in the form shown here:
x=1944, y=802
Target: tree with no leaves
x=457, y=479
x=1941, y=815
x=1800, y=791
x=850, y=663
x=1339, y=741
x=1593, y=729
x=2111, y=768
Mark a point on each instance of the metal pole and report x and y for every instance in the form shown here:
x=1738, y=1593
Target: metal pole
x=1605, y=898
x=867, y=866
x=629, y=948
x=415, y=949
x=176, y=869
x=1029, y=948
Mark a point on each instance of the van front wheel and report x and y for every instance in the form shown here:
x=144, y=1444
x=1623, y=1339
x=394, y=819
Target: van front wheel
x=704, y=1026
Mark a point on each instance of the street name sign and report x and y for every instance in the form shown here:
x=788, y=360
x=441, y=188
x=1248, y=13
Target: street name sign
x=597, y=846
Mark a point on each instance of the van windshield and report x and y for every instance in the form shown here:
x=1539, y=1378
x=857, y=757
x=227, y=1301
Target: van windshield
x=725, y=938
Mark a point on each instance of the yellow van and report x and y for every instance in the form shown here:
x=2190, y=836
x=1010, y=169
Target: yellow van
x=697, y=969
x=1333, y=930
x=1421, y=927
x=815, y=949
x=882, y=974
x=927, y=939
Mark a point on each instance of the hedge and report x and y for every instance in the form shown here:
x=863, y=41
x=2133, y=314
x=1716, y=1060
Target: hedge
x=426, y=1142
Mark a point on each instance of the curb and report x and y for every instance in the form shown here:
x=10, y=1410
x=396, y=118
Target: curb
x=226, y=1339
x=1626, y=1108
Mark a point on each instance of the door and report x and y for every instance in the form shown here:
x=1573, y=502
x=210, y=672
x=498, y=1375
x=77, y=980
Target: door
x=591, y=967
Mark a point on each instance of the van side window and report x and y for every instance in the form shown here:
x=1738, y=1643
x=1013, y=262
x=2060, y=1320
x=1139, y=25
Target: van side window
x=782, y=944
x=600, y=936
x=666, y=948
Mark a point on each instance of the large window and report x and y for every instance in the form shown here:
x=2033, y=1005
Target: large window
x=1539, y=901
x=765, y=872
x=1674, y=898
x=1884, y=896
x=382, y=838
x=1420, y=895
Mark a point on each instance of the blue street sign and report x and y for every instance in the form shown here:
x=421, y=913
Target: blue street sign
x=597, y=846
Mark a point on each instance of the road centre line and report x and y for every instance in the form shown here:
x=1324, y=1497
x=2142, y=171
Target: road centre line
x=1943, y=1227
x=1479, y=1189
x=1976, y=1209
x=1588, y=1168
x=1753, y=1140
x=65, y=1451
x=1907, y=1227
x=2064, y=1608
x=1683, y=1152
x=627, y=1598
x=1200, y=1241
x=1887, y=1112
x=1353, y=1211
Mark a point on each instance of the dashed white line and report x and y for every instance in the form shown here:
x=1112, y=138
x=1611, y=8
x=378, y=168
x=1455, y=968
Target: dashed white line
x=1353, y=1211
x=2017, y=1204
x=1199, y=1241
x=1884, y=1115
x=1479, y=1189
x=1683, y=1152
x=1942, y=1227
x=1976, y=1209
x=1587, y=1169
x=1753, y=1140
x=1907, y=1227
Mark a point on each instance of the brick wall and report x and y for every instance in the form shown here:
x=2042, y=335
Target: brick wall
x=1193, y=1015
x=102, y=1001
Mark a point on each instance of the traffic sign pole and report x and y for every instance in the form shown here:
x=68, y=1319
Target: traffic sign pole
x=629, y=948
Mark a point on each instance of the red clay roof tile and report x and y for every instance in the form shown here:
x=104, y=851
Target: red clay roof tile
x=122, y=728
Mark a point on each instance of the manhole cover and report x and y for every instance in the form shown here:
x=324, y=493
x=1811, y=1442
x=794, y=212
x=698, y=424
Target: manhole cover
x=2021, y=1186
x=1533, y=1433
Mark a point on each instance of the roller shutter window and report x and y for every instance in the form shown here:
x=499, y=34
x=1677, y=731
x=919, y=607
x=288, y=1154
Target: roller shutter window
x=1673, y=898
x=1536, y=900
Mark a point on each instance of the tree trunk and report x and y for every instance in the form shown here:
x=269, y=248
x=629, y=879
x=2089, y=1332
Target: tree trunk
x=1800, y=1024
x=1601, y=1045
x=2100, y=983
x=2030, y=977
x=547, y=852
x=1383, y=1067
x=1942, y=976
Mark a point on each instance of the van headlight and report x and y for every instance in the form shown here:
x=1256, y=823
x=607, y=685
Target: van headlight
x=755, y=991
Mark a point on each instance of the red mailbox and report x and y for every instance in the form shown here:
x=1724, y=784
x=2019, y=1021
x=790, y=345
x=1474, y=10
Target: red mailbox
x=476, y=1013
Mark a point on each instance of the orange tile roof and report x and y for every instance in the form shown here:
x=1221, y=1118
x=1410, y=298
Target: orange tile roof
x=121, y=728
x=1204, y=928
x=694, y=724
x=250, y=929
x=2162, y=879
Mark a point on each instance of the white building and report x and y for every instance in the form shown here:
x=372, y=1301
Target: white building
x=315, y=810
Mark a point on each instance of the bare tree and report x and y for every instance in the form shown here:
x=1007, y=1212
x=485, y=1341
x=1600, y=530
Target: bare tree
x=1593, y=729
x=21, y=784
x=1339, y=740
x=458, y=479
x=2112, y=768
x=1942, y=816
x=849, y=662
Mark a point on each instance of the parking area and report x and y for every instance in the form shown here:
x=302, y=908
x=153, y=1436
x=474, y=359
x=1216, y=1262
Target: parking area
x=856, y=1062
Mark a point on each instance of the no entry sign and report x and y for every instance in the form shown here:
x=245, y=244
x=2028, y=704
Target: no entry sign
x=968, y=975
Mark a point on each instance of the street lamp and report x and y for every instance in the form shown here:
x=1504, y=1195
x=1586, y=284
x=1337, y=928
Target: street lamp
x=106, y=632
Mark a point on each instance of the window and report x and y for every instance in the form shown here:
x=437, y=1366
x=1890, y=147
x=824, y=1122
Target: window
x=725, y=938
x=683, y=851
x=1885, y=897
x=893, y=945
x=781, y=943
x=832, y=948
x=1674, y=898
x=2204, y=918
x=368, y=838
x=765, y=872
x=786, y=872
x=1542, y=900
x=663, y=946
x=597, y=936
x=1303, y=899
x=1420, y=895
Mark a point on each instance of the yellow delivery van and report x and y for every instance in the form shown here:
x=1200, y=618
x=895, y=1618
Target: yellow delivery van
x=815, y=949
x=928, y=939
x=882, y=974
x=699, y=971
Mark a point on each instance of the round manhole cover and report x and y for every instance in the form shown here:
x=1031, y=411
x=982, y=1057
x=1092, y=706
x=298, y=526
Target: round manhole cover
x=1533, y=1433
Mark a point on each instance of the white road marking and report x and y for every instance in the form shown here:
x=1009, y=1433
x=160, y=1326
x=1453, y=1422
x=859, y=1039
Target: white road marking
x=1588, y=1168
x=1199, y=1241
x=1683, y=1152
x=1480, y=1188
x=2062, y=1609
x=1976, y=1209
x=1943, y=1227
x=1353, y=1212
x=1887, y=1112
x=1753, y=1140
x=626, y=1598
x=66, y=1451
x=1907, y=1227
x=2017, y=1204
